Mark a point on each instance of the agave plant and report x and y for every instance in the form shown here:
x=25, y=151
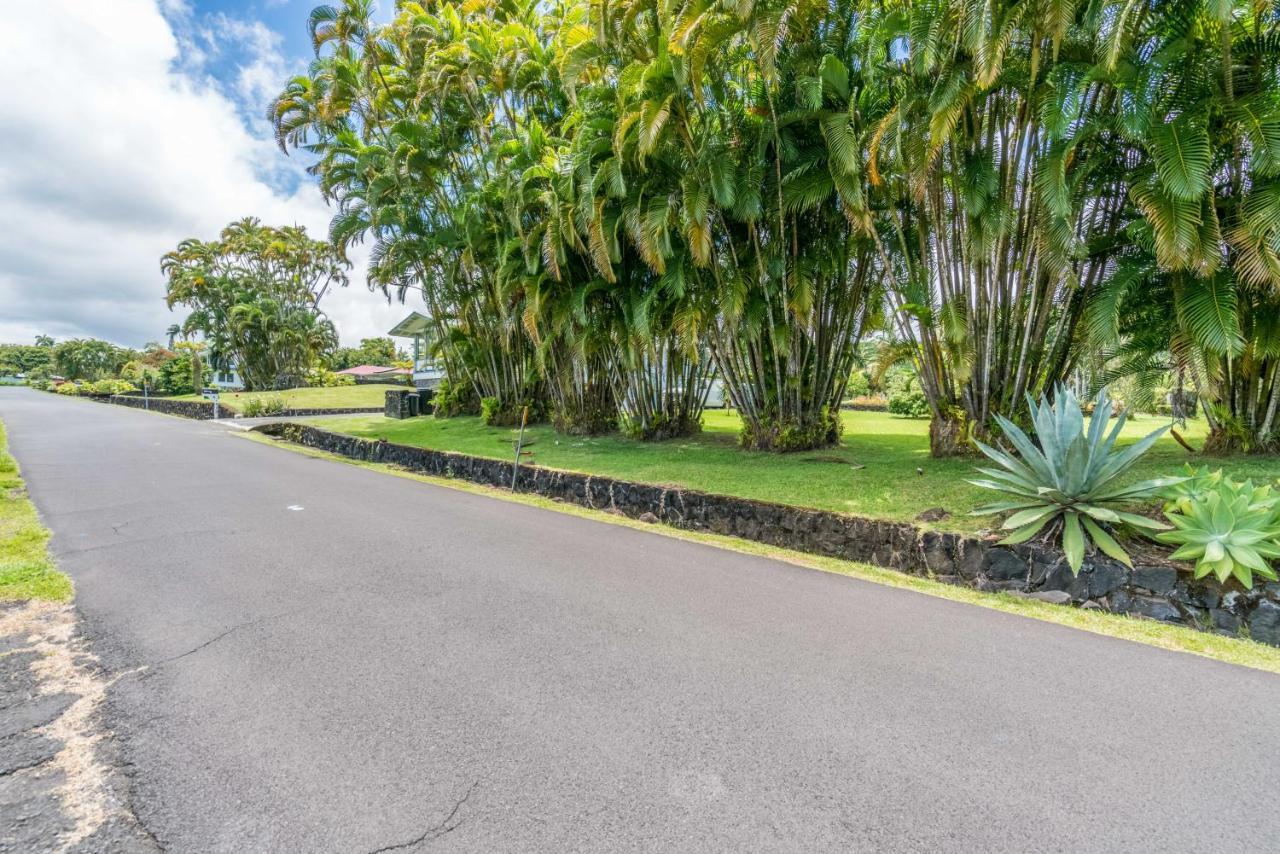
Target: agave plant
x=1070, y=477
x=1193, y=488
x=1233, y=529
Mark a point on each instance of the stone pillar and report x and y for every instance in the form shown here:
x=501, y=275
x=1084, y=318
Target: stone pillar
x=397, y=403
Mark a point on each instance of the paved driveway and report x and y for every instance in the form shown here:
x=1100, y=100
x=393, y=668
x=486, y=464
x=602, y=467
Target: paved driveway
x=339, y=660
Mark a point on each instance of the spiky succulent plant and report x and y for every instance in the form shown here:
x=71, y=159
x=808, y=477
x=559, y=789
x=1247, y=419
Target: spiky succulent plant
x=1197, y=483
x=1231, y=529
x=1069, y=477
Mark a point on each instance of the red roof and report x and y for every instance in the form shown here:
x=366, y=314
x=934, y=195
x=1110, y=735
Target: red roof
x=372, y=370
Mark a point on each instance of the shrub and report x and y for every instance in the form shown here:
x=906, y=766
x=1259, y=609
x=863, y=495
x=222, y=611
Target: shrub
x=859, y=385
x=785, y=435
x=324, y=378
x=138, y=373
x=905, y=396
x=1229, y=528
x=176, y=376
x=109, y=387
x=258, y=407
x=67, y=388
x=1069, y=478
x=454, y=398
x=494, y=414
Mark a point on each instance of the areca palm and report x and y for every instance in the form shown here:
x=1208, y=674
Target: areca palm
x=402, y=127
x=716, y=182
x=997, y=195
x=1200, y=110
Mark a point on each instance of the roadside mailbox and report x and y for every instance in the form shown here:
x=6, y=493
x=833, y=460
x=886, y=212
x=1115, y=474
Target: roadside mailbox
x=211, y=394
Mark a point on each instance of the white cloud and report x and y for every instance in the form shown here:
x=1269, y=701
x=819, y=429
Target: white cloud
x=116, y=145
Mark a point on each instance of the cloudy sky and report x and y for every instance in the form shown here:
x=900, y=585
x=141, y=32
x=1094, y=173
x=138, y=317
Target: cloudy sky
x=129, y=125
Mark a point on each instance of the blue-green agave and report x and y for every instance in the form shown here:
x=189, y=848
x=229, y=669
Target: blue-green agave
x=1230, y=529
x=1197, y=483
x=1069, y=475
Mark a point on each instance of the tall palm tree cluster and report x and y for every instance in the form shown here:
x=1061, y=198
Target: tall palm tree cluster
x=254, y=295
x=608, y=203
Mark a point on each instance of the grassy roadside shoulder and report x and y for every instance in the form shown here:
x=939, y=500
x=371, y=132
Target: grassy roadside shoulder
x=26, y=569
x=1163, y=635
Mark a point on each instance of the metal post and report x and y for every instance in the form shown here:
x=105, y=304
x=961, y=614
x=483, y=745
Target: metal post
x=146, y=399
x=515, y=466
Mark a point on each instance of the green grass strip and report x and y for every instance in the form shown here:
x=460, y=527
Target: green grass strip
x=26, y=569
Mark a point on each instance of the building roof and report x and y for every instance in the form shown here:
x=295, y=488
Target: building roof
x=373, y=370
x=413, y=325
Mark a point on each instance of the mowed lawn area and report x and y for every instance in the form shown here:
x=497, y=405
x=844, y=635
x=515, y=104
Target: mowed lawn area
x=882, y=468
x=342, y=397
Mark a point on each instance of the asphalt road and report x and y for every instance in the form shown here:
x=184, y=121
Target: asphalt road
x=340, y=660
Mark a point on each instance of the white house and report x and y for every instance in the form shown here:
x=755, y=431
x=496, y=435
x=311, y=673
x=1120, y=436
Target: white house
x=226, y=377
x=427, y=373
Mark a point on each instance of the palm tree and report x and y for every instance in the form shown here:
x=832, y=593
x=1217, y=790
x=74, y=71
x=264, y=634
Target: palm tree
x=403, y=124
x=730, y=143
x=998, y=194
x=254, y=296
x=1201, y=98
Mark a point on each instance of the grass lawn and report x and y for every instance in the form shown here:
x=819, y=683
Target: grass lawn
x=342, y=397
x=26, y=570
x=882, y=468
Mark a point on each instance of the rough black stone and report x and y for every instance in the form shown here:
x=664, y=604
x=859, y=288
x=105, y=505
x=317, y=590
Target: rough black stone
x=1155, y=609
x=1224, y=621
x=1060, y=577
x=1104, y=577
x=1157, y=579
x=1003, y=565
x=398, y=403
x=1264, y=623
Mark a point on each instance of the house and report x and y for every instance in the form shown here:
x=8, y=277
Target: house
x=225, y=377
x=427, y=373
x=375, y=373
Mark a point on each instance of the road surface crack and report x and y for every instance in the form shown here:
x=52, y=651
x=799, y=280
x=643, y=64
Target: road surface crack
x=245, y=625
x=448, y=825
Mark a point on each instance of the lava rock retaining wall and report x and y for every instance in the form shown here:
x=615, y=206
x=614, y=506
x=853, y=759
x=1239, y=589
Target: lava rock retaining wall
x=203, y=409
x=1158, y=591
x=199, y=409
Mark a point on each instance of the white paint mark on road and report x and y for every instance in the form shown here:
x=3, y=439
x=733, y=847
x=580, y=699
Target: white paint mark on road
x=296, y=507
